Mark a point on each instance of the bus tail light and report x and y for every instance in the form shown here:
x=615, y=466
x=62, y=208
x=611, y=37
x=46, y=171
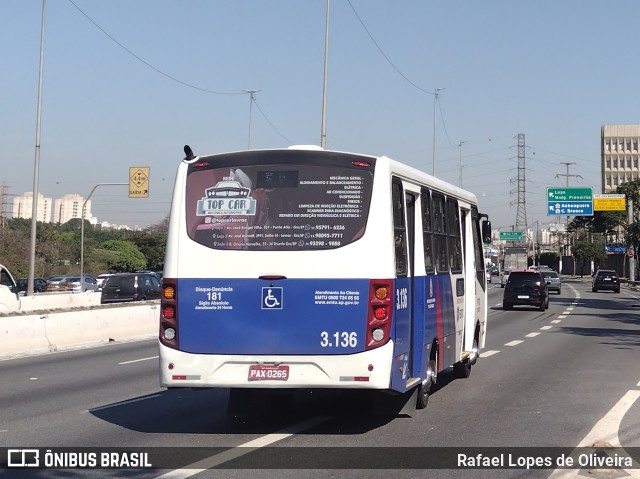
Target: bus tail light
x=168, y=314
x=379, y=312
x=168, y=291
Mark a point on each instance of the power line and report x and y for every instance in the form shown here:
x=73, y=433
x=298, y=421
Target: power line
x=255, y=102
x=444, y=126
x=140, y=59
x=384, y=54
x=189, y=85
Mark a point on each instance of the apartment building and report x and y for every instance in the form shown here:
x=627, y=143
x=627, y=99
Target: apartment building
x=59, y=211
x=70, y=206
x=23, y=207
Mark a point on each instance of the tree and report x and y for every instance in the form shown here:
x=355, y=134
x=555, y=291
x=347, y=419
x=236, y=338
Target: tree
x=152, y=244
x=58, y=248
x=122, y=255
x=588, y=248
x=600, y=222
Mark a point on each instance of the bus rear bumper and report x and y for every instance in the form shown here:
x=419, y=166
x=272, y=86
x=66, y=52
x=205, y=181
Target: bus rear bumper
x=366, y=370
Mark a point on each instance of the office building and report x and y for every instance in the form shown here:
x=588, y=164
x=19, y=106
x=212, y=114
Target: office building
x=620, y=155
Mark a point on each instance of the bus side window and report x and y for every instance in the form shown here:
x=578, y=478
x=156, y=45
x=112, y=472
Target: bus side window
x=453, y=226
x=440, y=234
x=427, y=230
x=478, y=247
x=399, y=229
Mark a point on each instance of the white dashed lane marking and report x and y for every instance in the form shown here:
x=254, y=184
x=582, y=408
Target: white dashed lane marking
x=565, y=313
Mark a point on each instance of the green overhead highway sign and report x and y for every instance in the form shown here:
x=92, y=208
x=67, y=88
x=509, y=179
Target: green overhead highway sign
x=570, y=201
x=510, y=235
x=569, y=194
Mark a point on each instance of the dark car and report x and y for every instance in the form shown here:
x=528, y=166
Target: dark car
x=552, y=279
x=605, y=279
x=123, y=287
x=39, y=284
x=525, y=288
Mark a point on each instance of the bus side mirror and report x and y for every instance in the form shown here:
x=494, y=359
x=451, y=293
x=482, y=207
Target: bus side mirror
x=486, y=231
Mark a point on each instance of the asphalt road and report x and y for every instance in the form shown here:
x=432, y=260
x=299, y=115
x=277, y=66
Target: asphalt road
x=545, y=379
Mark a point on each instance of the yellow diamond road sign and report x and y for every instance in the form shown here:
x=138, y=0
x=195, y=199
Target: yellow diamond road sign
x=138, y=182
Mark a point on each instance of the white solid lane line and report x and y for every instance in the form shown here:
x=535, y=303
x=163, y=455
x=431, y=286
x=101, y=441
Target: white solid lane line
x=605, y=430
x=138, y=360
x=247, y=447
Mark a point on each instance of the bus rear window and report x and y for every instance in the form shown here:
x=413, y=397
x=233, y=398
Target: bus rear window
x=277, y=207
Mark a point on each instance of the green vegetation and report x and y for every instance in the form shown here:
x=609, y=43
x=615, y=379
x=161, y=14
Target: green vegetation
x=58, y=248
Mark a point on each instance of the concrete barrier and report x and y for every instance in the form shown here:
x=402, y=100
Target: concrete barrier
x=59, y=330
x=61, y=300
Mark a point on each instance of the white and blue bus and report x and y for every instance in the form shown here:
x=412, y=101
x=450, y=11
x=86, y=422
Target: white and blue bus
x=303, y=268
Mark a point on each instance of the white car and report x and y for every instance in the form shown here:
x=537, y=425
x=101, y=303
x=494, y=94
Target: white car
x=9, y=298
x=505, y=278
x=100, y=279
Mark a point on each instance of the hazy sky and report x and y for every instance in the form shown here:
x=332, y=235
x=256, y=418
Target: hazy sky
x=173, y=73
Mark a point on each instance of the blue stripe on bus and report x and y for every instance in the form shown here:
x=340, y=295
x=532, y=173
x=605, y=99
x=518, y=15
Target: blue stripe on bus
x=433, y=311
x=313, y=317
x=289, y=316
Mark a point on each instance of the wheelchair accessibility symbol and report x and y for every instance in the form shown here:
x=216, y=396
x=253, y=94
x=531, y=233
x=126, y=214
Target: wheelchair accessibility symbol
x=272, y=298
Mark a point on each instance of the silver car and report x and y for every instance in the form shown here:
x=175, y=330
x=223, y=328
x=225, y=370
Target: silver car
x=552, y=279
x=89, y=283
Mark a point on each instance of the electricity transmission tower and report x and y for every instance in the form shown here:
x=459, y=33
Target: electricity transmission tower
x=520, y=189
x=3, y=202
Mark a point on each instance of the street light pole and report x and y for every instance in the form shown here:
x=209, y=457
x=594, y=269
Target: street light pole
x=433, y=155
x=36, y=168
x=82, y=229
x=251, y=97
x=323, y=126
x=460, y=162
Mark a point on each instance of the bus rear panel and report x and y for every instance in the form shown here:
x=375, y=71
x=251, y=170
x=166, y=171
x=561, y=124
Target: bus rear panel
x=282, y=270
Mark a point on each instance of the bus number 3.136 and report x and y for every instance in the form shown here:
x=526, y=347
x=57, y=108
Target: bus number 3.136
x=339, y=339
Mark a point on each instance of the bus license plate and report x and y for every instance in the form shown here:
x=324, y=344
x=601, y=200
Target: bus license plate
x=268, y=372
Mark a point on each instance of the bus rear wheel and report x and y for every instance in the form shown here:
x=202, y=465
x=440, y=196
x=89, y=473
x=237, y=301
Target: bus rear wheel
x=462, y=369
x=426, y=387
